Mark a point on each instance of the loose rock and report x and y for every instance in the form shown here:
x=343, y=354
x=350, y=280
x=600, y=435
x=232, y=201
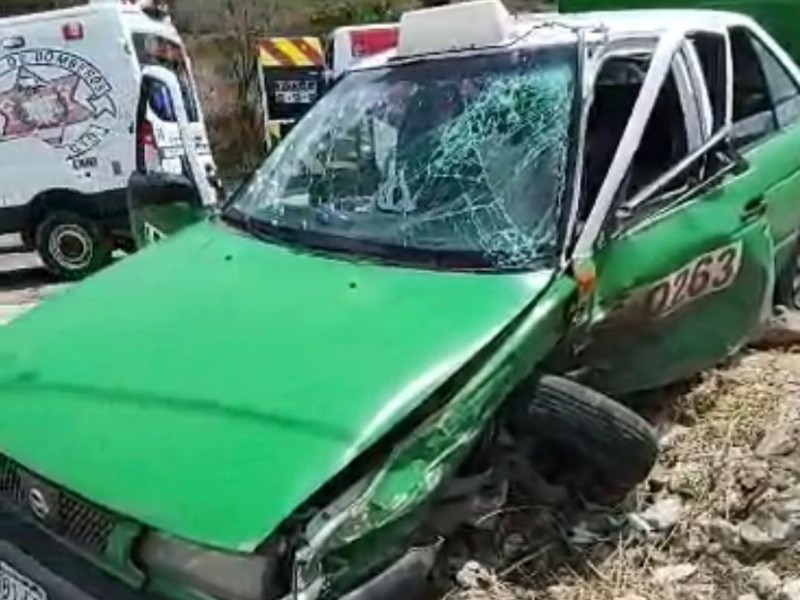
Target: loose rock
x=724, y=533
x=674, y=573
x=659, y=478
x=673, y=436
x=775, y=526
x=664, y=514
x=764, y=582
x=791, y=590
x=764, y=538
x=697, y=592
x=780, y=441
x=559, y=592
x=783, y=331
x=474, y=575
x=753, y=475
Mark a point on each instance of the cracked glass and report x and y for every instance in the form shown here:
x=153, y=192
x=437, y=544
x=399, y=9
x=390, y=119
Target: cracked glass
x=453, y=163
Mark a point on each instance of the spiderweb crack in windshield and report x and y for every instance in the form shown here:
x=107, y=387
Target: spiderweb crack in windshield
x=473, y=163
x=514, y=129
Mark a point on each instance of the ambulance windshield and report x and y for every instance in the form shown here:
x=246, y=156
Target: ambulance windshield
x=154, y=50
x=462, y=161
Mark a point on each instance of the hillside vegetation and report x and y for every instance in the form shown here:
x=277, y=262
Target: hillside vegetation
x=221, y=37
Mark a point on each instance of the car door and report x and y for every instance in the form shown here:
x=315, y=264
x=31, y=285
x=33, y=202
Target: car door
x=766, y=130
x=680, y=247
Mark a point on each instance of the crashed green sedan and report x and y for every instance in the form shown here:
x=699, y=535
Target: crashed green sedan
x=477, y=238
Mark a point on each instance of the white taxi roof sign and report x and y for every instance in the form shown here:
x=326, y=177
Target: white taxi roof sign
x=477, y=24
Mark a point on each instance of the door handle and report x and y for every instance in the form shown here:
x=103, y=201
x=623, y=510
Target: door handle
x=754, y=208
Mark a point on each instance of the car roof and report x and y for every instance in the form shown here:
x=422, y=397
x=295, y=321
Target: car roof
x=640, y=21
x=545, y=28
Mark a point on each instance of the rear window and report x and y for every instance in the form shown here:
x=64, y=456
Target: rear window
x=158, y=51
x=160, y=101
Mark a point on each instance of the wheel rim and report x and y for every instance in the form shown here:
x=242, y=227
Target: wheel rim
x=71, y=247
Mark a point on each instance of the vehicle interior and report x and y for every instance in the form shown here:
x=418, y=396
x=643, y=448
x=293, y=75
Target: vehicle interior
x=664, y=142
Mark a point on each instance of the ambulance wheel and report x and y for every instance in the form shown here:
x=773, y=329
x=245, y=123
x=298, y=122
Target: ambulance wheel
x=28, y=239
x=585, y=440
x=72, y=246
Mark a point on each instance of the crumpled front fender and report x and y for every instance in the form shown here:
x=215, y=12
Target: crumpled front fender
x=388, y=508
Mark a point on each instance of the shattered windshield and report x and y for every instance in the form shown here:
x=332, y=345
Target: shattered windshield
x=459, y=162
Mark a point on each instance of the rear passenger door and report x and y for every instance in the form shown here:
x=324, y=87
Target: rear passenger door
x=766, y=130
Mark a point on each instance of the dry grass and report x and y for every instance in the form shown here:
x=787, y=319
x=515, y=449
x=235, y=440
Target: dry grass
x=709, y=464
x=727, y=414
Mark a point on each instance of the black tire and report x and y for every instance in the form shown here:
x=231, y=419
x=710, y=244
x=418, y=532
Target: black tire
x=602, y=448
x=787, y=289
x=28, y=239
x=72, y=246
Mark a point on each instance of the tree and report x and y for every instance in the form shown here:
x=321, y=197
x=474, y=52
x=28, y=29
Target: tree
x=10, y=8
x=353, y=12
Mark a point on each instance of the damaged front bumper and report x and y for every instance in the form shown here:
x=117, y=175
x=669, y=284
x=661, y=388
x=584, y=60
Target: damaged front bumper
x=36, y=566
x=407, y=578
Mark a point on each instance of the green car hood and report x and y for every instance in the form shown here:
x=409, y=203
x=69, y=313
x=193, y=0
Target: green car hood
x=209, y=386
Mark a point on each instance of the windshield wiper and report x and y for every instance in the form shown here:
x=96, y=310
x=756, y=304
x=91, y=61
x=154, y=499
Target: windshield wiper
x=359, y=249
x=354, y=248
x=267, y=232
x=238, y=220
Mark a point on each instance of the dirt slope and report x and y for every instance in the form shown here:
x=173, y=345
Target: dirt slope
x=719, y=518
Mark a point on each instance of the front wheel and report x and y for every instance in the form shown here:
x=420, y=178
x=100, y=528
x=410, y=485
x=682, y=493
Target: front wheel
x=585, y=439
x=788, y=288
x=72, y=246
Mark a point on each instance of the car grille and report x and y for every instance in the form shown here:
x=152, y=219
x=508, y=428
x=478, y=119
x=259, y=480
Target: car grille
x=74, y=519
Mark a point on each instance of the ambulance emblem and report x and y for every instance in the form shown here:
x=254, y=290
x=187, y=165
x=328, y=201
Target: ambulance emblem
x=56, y=97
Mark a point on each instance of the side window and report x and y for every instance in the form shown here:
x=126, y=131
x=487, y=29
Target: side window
x=710, y=50
x=783, y=89
x=753, y=115
x=616, y=89
x=160, y=101
x=664, y=144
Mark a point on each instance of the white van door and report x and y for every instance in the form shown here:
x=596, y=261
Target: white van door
x=159, y=125
x=161, y=201
x=162, y=89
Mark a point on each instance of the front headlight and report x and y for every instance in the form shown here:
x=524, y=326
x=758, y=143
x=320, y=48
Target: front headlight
x=223, y=575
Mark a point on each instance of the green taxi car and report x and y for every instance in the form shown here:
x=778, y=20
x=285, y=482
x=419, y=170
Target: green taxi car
x=495, y=229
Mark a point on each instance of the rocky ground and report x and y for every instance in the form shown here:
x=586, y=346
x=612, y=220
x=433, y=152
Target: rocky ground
x=718, y=519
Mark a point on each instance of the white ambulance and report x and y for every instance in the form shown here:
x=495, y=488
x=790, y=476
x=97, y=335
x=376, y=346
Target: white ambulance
x=82, y=107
